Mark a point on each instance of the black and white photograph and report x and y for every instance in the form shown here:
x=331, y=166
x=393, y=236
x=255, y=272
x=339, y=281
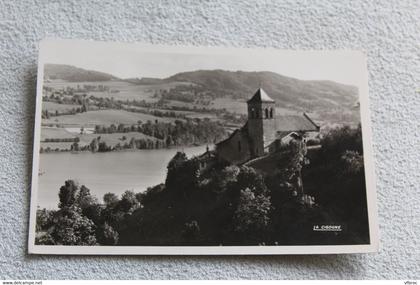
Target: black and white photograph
x=150, y=149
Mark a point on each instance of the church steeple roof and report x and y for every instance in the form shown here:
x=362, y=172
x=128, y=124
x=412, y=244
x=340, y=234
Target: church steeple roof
x=260, y=96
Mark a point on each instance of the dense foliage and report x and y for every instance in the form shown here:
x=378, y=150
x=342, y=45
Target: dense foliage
x=227, y=204
x=178, y=133
x=158, y=135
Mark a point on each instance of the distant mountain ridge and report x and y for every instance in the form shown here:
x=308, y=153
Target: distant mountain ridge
x=75, y=74
x=287, y=91
x=145, y=81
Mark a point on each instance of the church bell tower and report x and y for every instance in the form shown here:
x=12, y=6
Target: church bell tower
x=261, y=122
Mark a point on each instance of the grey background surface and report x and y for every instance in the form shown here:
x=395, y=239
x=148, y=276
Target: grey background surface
x=388, y=31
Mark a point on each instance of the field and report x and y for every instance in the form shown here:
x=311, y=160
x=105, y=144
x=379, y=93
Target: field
x=126, y=90
x=56, y=145
x=56, y=133
x=113, y=139
x=230, y=104
x=103, y=117
x=85, y=139
x=61, y=108
x=69, y=126
x=166, y=95
x=188, y=114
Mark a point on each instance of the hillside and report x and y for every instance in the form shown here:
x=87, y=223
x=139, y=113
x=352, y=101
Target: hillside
x=74, y=74
x=286, y=91
x=144, y=81
x=328, y=102
x=315, y=95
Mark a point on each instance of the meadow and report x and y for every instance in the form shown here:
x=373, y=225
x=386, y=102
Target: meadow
x=60, y=108
x=85, y=139
x=103, y=117
x=123, y=90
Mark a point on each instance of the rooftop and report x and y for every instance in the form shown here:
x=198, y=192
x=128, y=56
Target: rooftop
x=289, y=123
x=260, y=96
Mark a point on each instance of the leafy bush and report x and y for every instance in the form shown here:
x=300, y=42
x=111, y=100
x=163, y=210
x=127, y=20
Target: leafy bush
x=227, y=205
x=252, y=213
x=72, y=228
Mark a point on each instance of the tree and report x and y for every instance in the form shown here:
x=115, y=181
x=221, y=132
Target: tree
x=128, y=201
x=150, y=194
x=291, y=173
x=336, y=179
x=103, y=147
x=342, y=139
x=183, y=174
x=109, y=235
x=110, y=199
x=132, y=143
x=67, y=226
x=72, y=228
x=98, y=129
x=43, y=219
x=252, y=213
x=174, y=164
x=68, y=194
x=74, y=146
x=287, y=181
x=112, y=128
x=84, y=198
x=84, y=106
x=225, y=178
x=352, y=162
x=94, y=145
x=249, y=178
x=44, y=238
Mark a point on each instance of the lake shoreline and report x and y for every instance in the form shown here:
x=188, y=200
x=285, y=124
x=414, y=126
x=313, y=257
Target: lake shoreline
x=103, y=172
x=122, y=150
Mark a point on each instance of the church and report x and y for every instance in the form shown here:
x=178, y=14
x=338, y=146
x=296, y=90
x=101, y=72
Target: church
x=264, y=132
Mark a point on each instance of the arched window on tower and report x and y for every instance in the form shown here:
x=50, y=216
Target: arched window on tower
x=252, y=113
x=266, y=113
x=271, y=113
x=257, y=114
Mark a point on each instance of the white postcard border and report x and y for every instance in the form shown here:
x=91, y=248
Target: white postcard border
x=49, y=45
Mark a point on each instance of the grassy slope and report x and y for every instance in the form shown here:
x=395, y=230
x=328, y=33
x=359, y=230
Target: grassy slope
x=56, y=145
x=85, y=139
x=283, y=89
x=290, y=92
x=327, y=102
x=103, y=117
x=52, y=107
x=74, y=74
x=113, y=139
x=126, y=89
x=56, y=133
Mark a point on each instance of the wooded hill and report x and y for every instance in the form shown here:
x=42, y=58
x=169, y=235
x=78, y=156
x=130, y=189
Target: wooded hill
x=312, y=95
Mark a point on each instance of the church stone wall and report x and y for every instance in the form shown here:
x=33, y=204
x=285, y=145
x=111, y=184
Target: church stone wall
x=269, y=125
x=235, y=150
x=261, y=126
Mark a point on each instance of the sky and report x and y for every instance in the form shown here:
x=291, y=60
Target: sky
x=126, y=60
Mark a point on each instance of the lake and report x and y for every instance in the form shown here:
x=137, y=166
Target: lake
x=113, y=172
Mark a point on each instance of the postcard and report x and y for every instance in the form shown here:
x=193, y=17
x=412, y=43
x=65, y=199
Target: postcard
x=146, y=149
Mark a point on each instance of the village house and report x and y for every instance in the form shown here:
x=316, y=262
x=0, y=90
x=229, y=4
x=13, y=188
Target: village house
x=264, y=132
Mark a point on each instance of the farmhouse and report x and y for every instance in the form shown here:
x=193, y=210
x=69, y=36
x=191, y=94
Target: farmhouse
x=264, y=132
